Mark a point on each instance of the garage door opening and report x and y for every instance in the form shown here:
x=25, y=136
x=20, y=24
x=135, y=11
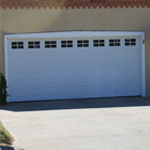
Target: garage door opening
x=66, y=65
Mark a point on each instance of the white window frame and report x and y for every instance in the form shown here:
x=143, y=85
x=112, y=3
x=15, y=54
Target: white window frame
x=17, y=45
x=115, y=42
x=80, y=34
x=83, y=43
x=51, y=45
x=66, y=44
x=130, y=42
x=98, y=43
x=34, y=44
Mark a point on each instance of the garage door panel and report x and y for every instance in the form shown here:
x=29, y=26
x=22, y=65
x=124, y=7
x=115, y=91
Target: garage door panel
x=103, y=75
x=69, y=83
x=54, y=79
x=77, y=92
x=73, y=88
x=78, y=62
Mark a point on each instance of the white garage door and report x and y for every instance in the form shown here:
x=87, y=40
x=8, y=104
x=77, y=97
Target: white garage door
x=41, y=68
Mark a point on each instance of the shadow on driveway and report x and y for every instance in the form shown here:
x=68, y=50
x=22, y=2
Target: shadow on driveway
x=6, y=148
x=9, y=148
x=78, y=104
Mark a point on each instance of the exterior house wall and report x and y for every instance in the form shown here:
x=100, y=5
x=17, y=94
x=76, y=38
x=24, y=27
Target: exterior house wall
x=1, y=47
x=100, y=19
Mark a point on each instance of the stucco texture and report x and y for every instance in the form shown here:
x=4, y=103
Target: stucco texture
x=100, y=19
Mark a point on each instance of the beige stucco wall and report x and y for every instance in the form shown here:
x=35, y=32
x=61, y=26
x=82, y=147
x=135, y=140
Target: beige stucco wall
x=47, y=20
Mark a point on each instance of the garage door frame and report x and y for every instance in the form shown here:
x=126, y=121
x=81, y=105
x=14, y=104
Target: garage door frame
x=82, y=34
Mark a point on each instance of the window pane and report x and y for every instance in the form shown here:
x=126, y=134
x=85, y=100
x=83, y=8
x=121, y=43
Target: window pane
x=114, y=42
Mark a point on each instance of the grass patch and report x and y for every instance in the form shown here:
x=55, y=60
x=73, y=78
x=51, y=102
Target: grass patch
x=5, y=138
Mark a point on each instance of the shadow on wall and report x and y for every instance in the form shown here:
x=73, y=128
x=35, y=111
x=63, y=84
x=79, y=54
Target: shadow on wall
x=78, y=104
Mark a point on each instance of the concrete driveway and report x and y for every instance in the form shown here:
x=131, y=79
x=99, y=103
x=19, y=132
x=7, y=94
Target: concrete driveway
x=92, y=124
